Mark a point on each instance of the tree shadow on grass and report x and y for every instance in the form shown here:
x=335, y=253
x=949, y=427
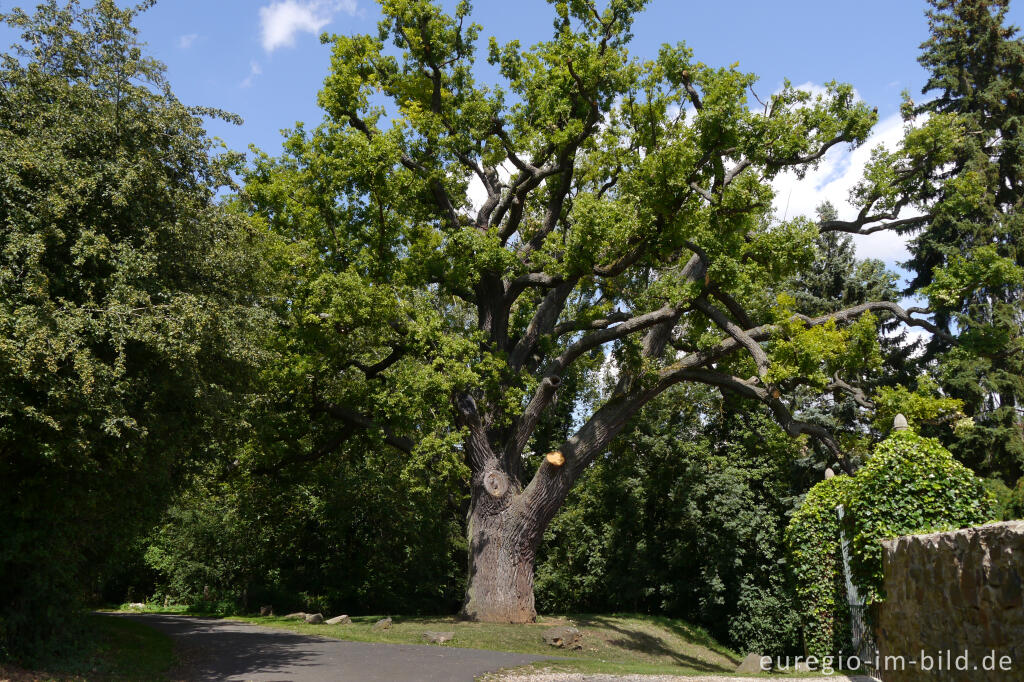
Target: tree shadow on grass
x=634, y=639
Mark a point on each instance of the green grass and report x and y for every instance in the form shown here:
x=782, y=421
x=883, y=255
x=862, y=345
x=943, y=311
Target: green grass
x=611, y=643
x=624, y=644
x=111, y=648
x=154, y=608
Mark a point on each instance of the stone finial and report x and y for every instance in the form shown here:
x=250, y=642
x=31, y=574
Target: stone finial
x=900, y=423
x=829, y=473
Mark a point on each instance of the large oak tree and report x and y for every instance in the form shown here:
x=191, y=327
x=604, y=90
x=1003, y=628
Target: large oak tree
x=462, y=251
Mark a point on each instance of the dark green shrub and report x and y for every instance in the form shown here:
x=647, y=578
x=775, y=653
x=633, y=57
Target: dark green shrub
x=684, y=519
x=1014, y=508
x=349, y=534
x=1002, y=498
x=127, y=307
x=909, y=485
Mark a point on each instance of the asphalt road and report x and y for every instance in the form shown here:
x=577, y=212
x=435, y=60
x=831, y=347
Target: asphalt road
x=223, y=650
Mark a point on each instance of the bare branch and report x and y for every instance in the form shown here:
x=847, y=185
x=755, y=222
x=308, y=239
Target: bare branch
x=602, y=336
x=793, y=427
x=527, y=422
x=354, y=418
x=611, y=417
x=703, y=192
x=886, y=221
x=480, y=453
x=736, y=170
x=373, y=371
x=530, y=279
x=797, y=160
x=692, y=93
x=905, y=316
x=543, y=322
x=733, y=330
x=733, y=306
x=854, y=392
x=584, y=325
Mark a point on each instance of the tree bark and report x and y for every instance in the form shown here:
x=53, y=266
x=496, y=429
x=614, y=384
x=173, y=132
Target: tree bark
x=502, y=547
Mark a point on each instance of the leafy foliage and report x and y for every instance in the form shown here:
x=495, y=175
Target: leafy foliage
x=426, y=337
x=909, y=485
x=880, y=357
x=684, y=517
x=354, y=533
x=127, y=324
x=816, y=566
x=622, y=208
x=1008, y=502
x=961, y=165
x=924, y=405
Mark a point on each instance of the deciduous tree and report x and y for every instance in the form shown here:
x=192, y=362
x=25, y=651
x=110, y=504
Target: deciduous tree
x=127, y=317
x=624, y=212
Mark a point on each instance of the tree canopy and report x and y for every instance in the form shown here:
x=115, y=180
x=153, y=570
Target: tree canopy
x=955, y=184
x=625, y=212
x=127, y=324
x=455, y=309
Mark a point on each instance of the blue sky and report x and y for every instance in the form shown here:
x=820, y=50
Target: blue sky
x=263, y=60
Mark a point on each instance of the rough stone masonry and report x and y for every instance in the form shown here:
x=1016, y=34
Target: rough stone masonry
x=954, y=607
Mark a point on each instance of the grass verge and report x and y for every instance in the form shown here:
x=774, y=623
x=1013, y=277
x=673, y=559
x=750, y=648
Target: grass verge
x=625, y=644
x=110, y=648
x=613, y=644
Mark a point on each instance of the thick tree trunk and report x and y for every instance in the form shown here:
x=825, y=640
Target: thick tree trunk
x=502, y=545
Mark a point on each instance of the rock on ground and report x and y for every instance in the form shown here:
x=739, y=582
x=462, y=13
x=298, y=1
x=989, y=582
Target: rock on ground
x=564, y=638
x=751, y=665
x=339, y=620
x=382, y=624
x=438, y=637
x=314, y=618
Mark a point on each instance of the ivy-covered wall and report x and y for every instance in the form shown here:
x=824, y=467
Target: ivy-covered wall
x=812, y=541
x=909, y=485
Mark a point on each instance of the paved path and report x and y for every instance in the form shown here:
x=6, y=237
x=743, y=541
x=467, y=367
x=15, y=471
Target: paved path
x=225, y=650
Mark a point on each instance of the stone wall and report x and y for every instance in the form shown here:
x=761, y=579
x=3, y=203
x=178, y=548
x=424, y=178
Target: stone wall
x=951, y=594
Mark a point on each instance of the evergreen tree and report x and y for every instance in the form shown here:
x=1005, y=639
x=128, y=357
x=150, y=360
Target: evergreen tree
x=969, y=259
x=960, y=168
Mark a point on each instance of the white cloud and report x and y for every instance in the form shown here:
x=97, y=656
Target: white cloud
x=817, y=90
x=186, y=41
x=254, y=70
x=282, y=20
x=832, y=181
x=477, y=193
